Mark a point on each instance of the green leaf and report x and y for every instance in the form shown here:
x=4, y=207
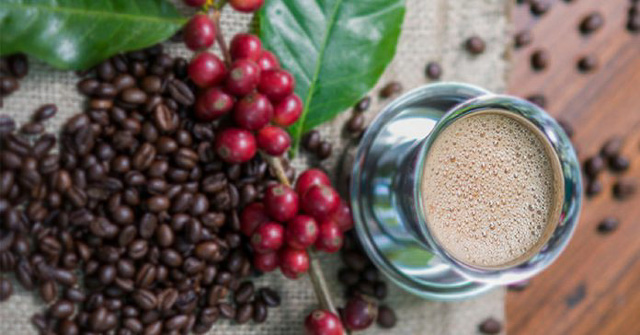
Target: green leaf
x=336, y=49
x=77, y=34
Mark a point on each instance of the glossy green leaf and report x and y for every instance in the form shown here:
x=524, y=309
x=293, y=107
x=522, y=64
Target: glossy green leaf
x=336, y=49
x=76, y=34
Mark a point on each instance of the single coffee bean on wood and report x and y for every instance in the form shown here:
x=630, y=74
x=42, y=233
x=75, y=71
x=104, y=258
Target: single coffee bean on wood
x=490, y=326
x=608, y=225
x=540, y=60
x=591, y=23
x=433, y=70
x=475, y=45
x=587, y=63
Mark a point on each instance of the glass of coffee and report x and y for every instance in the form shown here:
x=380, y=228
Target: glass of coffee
x=456, y=190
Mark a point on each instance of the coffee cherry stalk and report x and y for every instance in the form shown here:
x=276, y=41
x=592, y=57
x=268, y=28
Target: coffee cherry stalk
x=249, y=88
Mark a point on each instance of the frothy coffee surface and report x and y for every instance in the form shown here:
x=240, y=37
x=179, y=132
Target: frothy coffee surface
x=491, y=190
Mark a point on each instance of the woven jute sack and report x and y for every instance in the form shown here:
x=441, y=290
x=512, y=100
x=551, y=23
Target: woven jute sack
x=433, y=30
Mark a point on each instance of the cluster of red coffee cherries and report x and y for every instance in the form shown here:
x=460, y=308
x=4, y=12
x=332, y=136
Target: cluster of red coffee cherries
x=253, y=89
x=289, y=221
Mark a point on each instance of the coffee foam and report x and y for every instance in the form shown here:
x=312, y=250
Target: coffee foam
x=491, y=189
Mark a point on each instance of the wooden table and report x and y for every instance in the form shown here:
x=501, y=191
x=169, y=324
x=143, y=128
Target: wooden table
x=594, y=287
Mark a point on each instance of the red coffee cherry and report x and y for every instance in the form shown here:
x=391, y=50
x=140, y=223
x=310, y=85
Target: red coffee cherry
x=235, y=145
x=281, y=202
x=212, y=104
x=253, y=111
x=330, y=237
x=207, y=70
x=287, y=111
x=320, y=201
x=323, y=322
x=268, y=237
x=342, y=216
x=310, y=178
x=273, y=140
x=246, y=6
x=276, y=84
x=267, y=61
x=252, y=217
x=360, y=312
x=266, y=262
x=195, y=3
x=245, y=46
x=293, y=262
x=243, y=77
x=301, y=232
x=199, y=33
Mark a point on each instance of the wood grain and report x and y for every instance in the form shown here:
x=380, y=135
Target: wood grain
x=594, y=287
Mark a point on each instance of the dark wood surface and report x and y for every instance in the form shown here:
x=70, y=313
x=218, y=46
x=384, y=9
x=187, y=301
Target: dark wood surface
x=594, y=287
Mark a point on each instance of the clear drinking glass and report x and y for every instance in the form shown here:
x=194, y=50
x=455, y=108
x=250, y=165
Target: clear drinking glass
x=385, y=191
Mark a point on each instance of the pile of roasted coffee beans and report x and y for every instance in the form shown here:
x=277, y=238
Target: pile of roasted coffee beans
x=313, y=142
x=12, y=68
x=136, y=199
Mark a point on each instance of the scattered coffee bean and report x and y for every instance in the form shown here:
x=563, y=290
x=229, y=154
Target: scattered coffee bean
x=594, y=165
x=260, y=311
x=490, y=326
x=523, y=39
x=311, y=140
x=386, y=317
x=433, y=70
x=608, y=225
x=587, y=63
x=324, y=150
x=619, y=163
x=45, y=112
x=624, y=188
x=355, y=125
x=475, y=45
x=539, y=7
x=390, y=89
x=269, y=296
x=539, y=60
x=591, y=23
x=363, y=104
x=6, y=289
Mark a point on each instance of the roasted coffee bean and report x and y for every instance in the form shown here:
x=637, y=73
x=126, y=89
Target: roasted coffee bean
x=591, y=23
x=25, y=275
x=18, y=65
x=6, y=289
x=171, y=258
x=539, y=7
x=164, y=119
x=88, y=86
x=608, y=225
x=363, y=104
x=244, y=313
x=324, y=150
x=490, y=326
x=540, y=60
x=75, y=295
x=133, y=95
x=523, y=38
x=587, y=63
x=619, y=163
x=311, y=140
x=270, y=297
x=594, y=165
x=624, y=189
x=260, y=311
x=145, y=299
x=68, y=327
x=151, y=84
x=475, y=45
x=62, y=309
x=433, y=71
x=43, y=145
x=123, y=81
x=8, y=85
x=186, y=158
x=32, y=128
x=39, y=321
x=391, y=89
x=180, y=92
x=227, y=311
x=7, y=125
x=355, y=124
x=138, y=249
x=244, y=293
x=106, y=91
x=386, y=317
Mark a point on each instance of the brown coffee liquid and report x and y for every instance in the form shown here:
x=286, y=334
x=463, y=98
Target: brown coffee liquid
x=492, y=189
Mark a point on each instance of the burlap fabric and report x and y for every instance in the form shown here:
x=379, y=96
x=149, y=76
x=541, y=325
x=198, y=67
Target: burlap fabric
x=434, y=30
